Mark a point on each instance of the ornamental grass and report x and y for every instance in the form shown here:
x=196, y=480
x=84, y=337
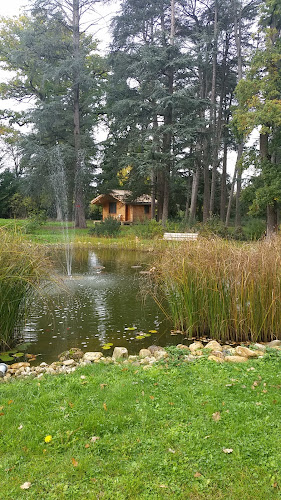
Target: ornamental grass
x=24, y=267
x=225, y=290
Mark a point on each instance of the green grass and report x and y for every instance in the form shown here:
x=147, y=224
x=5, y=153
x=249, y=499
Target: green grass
x=156, y=432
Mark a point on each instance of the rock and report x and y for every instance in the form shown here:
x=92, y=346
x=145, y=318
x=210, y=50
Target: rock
x=218, y=359
x=133, y=358
x=235, y=359
x=198, y=352
x=195, y=346
x=218, y=354
x=73, y=353
x=182, y=346
x=22, y=364
x=213, y=345
x=273, y=343
x=92, y=356
x=146, y=367
x=189, y=358
x=228, y=350
x=43, y=365
x=161, y=355
x=154, y=348
x=245, y=352
x=260, y=347
x=68, y=362
x=120, y=353
x=144, y=353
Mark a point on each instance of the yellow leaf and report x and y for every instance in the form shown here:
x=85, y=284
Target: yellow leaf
x=105, y=407
x=74, y=462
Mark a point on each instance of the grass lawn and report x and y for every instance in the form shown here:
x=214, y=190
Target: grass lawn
x=161, y=432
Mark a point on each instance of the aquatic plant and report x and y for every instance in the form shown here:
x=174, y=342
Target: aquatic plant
x=223, y=289
x=23, y=268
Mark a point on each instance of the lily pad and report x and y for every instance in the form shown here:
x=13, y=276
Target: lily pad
x=110, y=344
x=130, y=328
x=147, y=334
x=106, y=347
x=153, y=331
x=6, y=357
x=18, y=354
x=23, y=347
x=140, y=337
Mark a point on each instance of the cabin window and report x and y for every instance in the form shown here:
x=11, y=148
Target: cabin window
x=146, y=209
x=112, y=207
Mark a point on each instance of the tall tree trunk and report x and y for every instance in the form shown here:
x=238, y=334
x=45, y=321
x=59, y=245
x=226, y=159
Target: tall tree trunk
x=237, y=166
x=238, y=35
x=187, y=201
x=194, y=192
x=223, y=182
x=79, y=211
x=168, y=121
x=271, y=209
x=213, y=113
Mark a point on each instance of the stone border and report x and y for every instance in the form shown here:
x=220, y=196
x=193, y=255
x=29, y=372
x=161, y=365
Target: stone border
x=213, y=351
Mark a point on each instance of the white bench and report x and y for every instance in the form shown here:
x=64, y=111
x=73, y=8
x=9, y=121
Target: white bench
x=180, y=236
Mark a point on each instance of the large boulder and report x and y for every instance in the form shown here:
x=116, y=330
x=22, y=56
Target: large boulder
x=144, y=353
x=120, y=353
x=213, y=345
x=195, y=346
x=235, y=359
x=92, y=356
x=246, y=352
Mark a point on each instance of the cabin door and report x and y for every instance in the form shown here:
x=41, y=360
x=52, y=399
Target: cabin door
x=126, y=212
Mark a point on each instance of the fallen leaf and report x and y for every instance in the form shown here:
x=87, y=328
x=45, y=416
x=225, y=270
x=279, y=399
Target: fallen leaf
x=216, y=416
x=102, y=386
x=1, y=408
x=163, y=486
x=94, y=439
x=275, y=485
x=1, y=414
x=227, y=450
x=25, y=485
x=87, y=445
x=258, y=404
x=171, y=450
x=20, y=427
x=74, y=462
x=152, y=397
x=70, y=404
x=172, y=404
x=82, y=377
x=206, y=437
x=10, y=402
x=197, y=474
x=104, y=406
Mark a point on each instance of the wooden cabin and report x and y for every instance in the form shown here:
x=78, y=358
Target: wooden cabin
x=115, y=204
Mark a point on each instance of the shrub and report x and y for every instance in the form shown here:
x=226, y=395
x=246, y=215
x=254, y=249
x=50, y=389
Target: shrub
x=148, y=229
x=110, y=227
x=34, y=222
x=23, y=267
x=213, y=227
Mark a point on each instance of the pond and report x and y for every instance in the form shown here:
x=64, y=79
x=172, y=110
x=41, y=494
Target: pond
x=100, y=303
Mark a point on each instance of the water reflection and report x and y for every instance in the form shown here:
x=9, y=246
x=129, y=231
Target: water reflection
x=95, y=306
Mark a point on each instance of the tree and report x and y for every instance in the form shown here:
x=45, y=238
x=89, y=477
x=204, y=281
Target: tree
x=57, y=68
x=260, y=105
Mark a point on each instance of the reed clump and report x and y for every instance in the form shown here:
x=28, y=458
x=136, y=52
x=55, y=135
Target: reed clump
x=23, y=269
x=223, y=289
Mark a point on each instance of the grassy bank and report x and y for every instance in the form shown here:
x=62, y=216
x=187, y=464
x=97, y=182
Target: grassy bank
x=223, y=289
x=158, y=433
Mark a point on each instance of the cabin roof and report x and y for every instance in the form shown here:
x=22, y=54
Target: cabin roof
x=123, y=196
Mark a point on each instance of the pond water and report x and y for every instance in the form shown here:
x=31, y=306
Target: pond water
x=101, y=303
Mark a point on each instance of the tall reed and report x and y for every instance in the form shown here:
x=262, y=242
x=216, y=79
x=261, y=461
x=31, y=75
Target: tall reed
x=226, y=290
x=23, y=268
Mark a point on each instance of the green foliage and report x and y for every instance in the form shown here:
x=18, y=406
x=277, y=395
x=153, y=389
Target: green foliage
x=35, y=221
x=255, y=229
x=213, y=226
x=149, y=229
x=8, y=187
x=109, y=227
